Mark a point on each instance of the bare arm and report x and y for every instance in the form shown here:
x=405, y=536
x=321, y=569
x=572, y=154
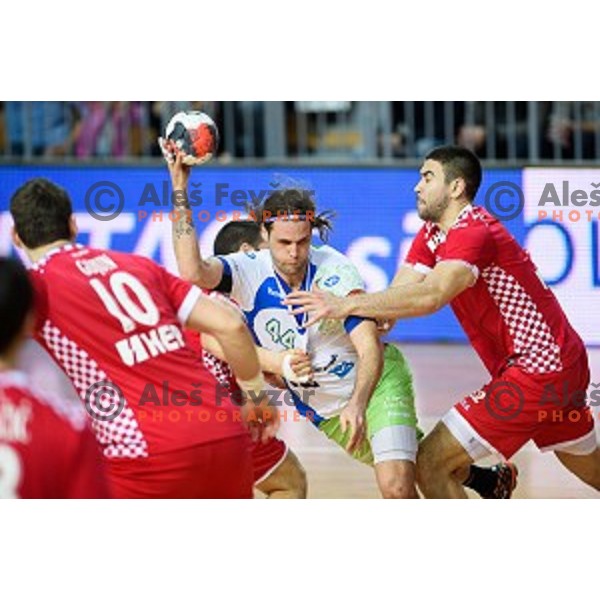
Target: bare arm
x=270, y=361
x=446, y=281
x=368, y=371
x=404, y=276
x=226, y=326
x=370, y=362
x=206, y=273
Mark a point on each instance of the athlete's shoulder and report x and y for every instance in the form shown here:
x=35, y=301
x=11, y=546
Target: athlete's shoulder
x=262, y=257
x=474, y=217
x=251, y=266
x=473, y=225
x=124, y=259
x=335, y=272
x=325, y=253
x=86, y=260
x=252, y=258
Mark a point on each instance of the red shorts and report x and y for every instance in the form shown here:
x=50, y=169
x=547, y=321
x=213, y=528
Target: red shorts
x=517, y=407
x=267, y=457
x=221, y=469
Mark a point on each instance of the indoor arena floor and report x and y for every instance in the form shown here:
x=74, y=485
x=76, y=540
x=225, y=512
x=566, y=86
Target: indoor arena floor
x=443, y=374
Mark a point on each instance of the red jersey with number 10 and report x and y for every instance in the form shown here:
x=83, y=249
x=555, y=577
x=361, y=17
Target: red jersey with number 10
x=509, y=314
x=117, y=318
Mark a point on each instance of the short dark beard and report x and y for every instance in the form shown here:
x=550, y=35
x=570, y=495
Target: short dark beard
x=434, y=214
x=286, y=276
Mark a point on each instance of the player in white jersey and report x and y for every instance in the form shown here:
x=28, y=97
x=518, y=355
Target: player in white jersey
x=360, y=394
x=353, y=397
x=278, y=472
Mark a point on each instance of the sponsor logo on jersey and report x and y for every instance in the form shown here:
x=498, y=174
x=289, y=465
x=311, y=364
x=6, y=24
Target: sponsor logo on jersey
x=331, y=281
x=342, y=369
x=143, y=346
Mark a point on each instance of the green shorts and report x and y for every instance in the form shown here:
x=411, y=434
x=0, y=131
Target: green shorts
x=392, y=429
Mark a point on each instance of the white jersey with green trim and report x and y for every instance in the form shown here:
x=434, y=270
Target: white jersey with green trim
x=259, y=290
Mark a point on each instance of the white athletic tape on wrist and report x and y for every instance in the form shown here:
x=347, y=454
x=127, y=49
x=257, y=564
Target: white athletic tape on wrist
x=289, y=373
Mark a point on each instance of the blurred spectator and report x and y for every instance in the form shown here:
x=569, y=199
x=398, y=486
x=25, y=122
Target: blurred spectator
x=510, y=128
x=418, y=127
x=349, y=130
x=572, y=131
x=510, y=136
x=249, y=129
x=41, y=128
x=109, y=129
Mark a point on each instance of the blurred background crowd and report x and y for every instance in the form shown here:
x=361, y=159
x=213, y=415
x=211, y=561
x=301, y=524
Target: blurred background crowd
x=513, y=132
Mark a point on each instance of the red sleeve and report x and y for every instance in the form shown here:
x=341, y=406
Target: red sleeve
x=86, y=478
x=181, y=294
x=472, y=245
x=420, y=257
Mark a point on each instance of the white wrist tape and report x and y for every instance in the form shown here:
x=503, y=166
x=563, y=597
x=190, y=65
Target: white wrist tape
x=289, y=373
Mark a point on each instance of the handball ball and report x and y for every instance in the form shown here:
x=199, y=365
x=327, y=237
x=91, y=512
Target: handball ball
x=195, y=133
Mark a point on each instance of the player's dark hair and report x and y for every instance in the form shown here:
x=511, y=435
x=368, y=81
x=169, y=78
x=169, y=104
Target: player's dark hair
x=16, y=300
x=459, y=162
x=297, y=204
x=232, y=235
x=41, y=211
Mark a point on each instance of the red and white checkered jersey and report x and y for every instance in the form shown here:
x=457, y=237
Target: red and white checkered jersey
x=46, y=447
x=113, y=322
x=509, y=314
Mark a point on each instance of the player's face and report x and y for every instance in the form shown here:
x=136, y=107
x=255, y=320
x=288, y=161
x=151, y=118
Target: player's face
x=433, y=194
x=289, y=243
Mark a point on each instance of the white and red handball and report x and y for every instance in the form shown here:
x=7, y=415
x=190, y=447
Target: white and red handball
x=195, y=134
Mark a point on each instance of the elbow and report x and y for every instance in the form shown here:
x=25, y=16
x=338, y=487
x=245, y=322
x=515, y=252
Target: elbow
x=430, y=304
x=192, y=275
x=234, y=326
x=230, y=330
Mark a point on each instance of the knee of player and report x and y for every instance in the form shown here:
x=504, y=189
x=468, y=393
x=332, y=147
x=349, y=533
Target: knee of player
x=398, y=488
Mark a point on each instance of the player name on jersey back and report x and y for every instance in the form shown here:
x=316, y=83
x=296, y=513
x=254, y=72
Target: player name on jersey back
x=142, y=346
x=113, y=321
